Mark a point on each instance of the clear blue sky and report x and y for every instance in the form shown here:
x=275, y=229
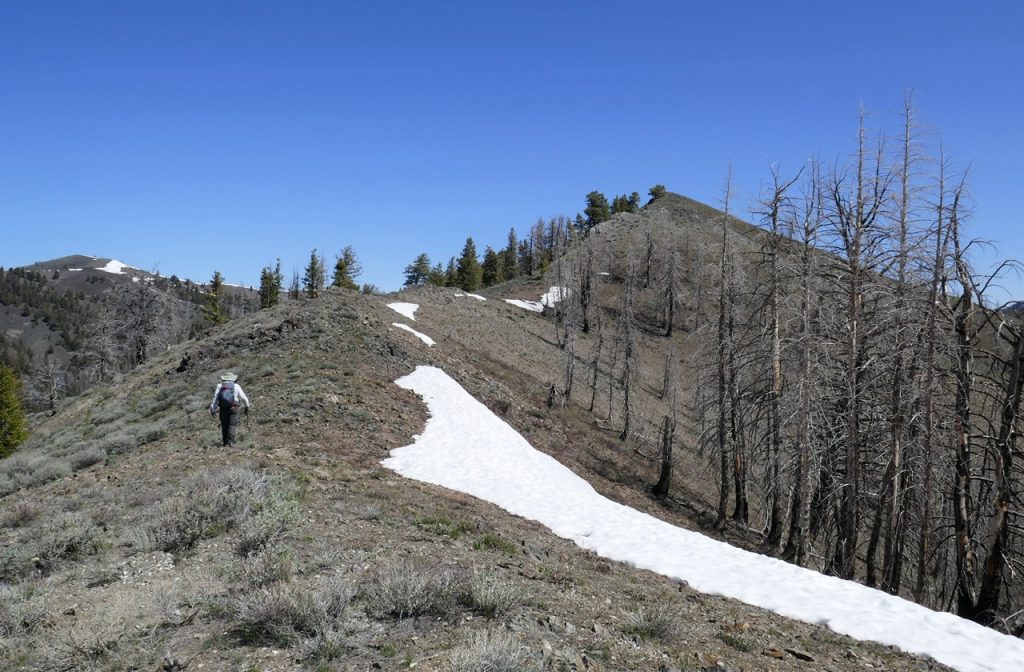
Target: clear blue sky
x=194, y=136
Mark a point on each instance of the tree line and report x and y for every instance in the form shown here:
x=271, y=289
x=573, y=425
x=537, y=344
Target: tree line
x=530, y=255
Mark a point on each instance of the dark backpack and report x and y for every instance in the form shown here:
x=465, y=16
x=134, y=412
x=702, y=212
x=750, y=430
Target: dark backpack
x=227, y=397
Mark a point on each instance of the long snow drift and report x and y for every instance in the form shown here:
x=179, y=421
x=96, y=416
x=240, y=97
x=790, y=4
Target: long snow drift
x=467, y=448
x=423, y=337
x=405, y=309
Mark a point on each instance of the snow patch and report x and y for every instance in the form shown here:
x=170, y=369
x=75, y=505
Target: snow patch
x=405, y=309
x=423, y=337
x=477, y=297
x=467, y=448
x=548, y=299
x=535, y=306
x=554, y=295
x=116, y=267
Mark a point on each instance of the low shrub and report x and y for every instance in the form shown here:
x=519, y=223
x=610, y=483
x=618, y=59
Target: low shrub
x=273, y=520
x=283, y=614
x=443, y=525
x=20, y=614
x=491, y=652
x=662, y=623
x=21, y=513
x=493, y=542
x=212, y=504
x=72, y=537
x=86, y=457
x=265, y=567
x=489, y=596
x=405, y=588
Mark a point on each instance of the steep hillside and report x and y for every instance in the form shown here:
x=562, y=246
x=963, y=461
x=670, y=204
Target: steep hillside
x=131, y=540
x=68, y=322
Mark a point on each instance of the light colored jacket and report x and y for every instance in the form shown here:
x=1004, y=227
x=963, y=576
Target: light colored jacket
x=239, y=394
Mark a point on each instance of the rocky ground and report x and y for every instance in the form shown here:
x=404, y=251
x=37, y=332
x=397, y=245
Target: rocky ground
x=131, y=541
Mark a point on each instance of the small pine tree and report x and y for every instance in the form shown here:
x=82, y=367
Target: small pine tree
x=418, y=272
x=597, y=210
x=451, y=274
x=436, y=276
x=509, y=256
x=314, y=277
x=656, y=192
x=267, y=294
x=347, y=269
x=12, y=418
x=468, y=272
x=214, y=307
x=492, y=269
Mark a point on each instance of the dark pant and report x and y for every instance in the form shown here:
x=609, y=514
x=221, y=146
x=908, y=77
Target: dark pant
x=228, y=422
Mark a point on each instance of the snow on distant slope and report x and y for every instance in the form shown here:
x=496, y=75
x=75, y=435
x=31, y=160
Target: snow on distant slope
x=114, y=266
x=475, y=296
x=423, y=337
x=405, y=309
x=467, y=448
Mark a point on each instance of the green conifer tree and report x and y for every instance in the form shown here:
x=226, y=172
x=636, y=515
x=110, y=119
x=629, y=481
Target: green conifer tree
x=510, y=256
x=597, y=210
x=214, y=307
x=418, y=272
x=492, y=270
x=347, y=269
x=12, y=418
x=314, y=276
x=468, y=272
x=451, y=274
x=656, y=192
x=437, y=276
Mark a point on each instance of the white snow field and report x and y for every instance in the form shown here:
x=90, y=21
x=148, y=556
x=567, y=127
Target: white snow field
x=467, y=448
x=114, y=266
x=423, y=337
x=405, y=309
x=550, y=298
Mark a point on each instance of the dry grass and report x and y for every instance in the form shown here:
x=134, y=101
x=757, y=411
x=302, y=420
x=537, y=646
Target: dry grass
x=491, y=652
x=661, y=623
x=412, y=587
x=490, y=596
x=285, y=614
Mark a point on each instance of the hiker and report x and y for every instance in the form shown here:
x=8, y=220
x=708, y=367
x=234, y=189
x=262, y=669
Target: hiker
x=226, y=399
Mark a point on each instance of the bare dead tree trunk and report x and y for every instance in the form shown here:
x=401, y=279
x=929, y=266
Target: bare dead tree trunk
x=773, y=213
x=722, y=355
x=856, y=221
x=963, y=512
x=931, y=337
x=668, y=428
x=799, y=535
x=627, y=327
